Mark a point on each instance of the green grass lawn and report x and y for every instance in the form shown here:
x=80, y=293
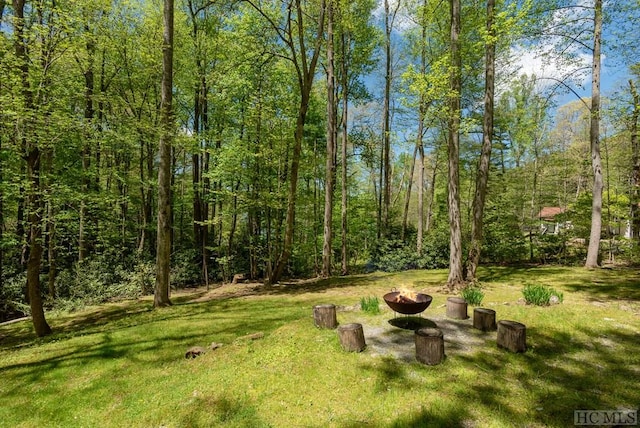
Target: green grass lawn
x=123, y=365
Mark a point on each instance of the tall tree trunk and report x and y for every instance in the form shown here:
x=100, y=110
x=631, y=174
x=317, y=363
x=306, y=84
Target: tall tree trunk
x=432, y=192
x=456, y=277
x=635, y=164
x=163, y=254
x=593, y=250
x=487, y=140
x=345, y=140
x=331, y=148
x=306, y=71
x=1, y=205
x=407, y=196
x=34, y=196
x=386, y=125
x=89, y=113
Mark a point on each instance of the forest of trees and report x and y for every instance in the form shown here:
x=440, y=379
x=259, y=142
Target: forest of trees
x=306, y=138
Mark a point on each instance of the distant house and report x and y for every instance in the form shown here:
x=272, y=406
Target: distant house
x=549, y=222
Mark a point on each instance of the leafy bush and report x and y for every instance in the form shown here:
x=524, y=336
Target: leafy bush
x=473, y=295
x=540, y=295
x=370, y=305
x=393, y=255
x=12, y=302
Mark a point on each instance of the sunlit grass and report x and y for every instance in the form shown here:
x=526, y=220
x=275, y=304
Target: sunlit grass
x=123, y=364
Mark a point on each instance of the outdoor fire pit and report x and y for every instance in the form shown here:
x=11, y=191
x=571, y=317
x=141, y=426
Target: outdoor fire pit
x=408, y=303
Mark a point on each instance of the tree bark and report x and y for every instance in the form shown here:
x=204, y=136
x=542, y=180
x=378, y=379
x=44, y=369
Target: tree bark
x=407, y=196
x=635, y=161
x=512, y=336
x=487, y=140
x=386, y=128
x=429, y=344
x=34, y=197
x=456, y=276
x=305, y=69
x=163, y=254
x=331, y=148
x=352, y=337
x=324, y=316
x=345, y=138
x=593, y=250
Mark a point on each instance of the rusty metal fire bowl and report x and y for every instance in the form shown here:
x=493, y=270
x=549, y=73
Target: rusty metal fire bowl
x=414, y=304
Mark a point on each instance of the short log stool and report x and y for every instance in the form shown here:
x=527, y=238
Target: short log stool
x=484, y=319
x=324, y=316
x=457, y=308
x=429, y=345
x=512, y=335
x=351, y=337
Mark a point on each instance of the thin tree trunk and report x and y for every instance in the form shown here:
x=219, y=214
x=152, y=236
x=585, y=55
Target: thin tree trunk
x=407, y=197
x=593, y=250
x=89, y=113
x=386, y=127
x=635, y=161
x=485, y=156
x=306, y=72
x=422, y=111
x=331, y=148
x=34, y=197
x=456, y=276
x=345, y=136
x=432, y=192
x=163, y=254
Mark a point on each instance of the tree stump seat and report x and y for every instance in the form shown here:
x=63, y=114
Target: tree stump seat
x=324, y=316
x=352, y=337
x=429, y=345
x=484, y=319
x=457, y=308
x=512, y=336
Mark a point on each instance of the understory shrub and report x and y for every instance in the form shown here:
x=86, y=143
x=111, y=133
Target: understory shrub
x=370, y=305
x=12, y=301
x=473, y=295
x=540, y=295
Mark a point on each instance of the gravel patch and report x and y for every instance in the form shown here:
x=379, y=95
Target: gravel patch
x=394, y=337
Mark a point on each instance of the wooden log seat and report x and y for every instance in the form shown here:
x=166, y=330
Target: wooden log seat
x=512, y=335
x=429, y=345
x=352, y=337
x=457, y=308
x=484, y=319
x=324, y=316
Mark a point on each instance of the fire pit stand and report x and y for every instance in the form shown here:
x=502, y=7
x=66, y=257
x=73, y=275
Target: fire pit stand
x=408, y=304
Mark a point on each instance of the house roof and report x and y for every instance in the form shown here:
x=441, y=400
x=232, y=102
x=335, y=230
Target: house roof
x=548, y=213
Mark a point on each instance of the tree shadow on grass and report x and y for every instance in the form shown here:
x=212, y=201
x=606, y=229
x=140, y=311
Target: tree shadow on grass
x=220, y=411
x=559, y=374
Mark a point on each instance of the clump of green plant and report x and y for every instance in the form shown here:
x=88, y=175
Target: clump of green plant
x=541, y=295
x=370, y=305
x=473, y=295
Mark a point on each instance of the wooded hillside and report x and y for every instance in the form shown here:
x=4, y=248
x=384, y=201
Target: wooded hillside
x=308, y=137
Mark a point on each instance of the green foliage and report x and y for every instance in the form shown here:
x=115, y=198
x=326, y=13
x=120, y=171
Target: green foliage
x=393, y=255
x=12, y=298
x=370, y=305
x=540, y=295
x=473, y=295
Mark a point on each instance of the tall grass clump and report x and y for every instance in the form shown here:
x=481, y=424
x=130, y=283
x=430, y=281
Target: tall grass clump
x=540, y=295
x=370, y=305
x=473, y=295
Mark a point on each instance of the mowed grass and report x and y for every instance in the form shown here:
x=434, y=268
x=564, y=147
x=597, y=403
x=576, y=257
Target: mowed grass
x=123, y=365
